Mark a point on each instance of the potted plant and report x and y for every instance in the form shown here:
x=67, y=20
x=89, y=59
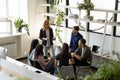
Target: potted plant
x=20, y=24
x=109, y=71
x=87, y=5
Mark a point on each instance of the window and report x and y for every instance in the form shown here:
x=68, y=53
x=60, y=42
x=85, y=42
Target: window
x=10, y=10
x=101, y=16
x=118, y=31
x=95, y=27
x=97, y=15
x=3, y=14
x=118, y=20
x=2, y=8
x=13, y=8
x=74, y=22
x=4, y=29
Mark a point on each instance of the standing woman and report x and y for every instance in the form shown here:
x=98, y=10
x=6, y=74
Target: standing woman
x=47, y=37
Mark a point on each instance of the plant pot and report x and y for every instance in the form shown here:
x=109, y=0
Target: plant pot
x=20, y=30
x=88, y=18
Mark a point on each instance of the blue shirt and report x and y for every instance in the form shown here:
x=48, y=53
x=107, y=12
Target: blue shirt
x=74, y=41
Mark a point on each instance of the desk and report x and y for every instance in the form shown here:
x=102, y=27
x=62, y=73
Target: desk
x=18, y=69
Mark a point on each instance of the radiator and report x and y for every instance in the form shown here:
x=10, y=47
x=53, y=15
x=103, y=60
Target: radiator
x=11, y=46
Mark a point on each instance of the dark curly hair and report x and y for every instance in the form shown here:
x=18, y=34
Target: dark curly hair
x=64, y=51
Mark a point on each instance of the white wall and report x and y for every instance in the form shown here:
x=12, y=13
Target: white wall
x=34, y=18
x=35, y=21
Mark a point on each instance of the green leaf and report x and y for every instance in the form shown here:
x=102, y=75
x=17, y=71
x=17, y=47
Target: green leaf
x=59, y=75
x=19, y=24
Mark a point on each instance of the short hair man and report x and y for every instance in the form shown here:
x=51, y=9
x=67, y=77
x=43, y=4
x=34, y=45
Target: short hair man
x=75, y=36
x=82, y=56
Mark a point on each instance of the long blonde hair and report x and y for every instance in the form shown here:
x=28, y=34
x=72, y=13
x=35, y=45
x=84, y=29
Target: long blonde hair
x=46, y=21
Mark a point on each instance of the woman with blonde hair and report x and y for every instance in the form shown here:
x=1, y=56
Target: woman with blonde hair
x=47, y=37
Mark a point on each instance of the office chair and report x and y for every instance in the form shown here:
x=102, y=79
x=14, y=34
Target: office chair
x=67, y=72
x=82, y=71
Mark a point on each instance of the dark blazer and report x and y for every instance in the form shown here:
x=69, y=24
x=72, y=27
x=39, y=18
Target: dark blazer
x=87, y=55
x=42, y=35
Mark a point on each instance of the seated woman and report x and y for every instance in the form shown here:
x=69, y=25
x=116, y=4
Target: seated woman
x=46, y=64
x=34, y=43
x=63, y=57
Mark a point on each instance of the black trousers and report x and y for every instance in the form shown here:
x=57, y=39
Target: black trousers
x=81, y=63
